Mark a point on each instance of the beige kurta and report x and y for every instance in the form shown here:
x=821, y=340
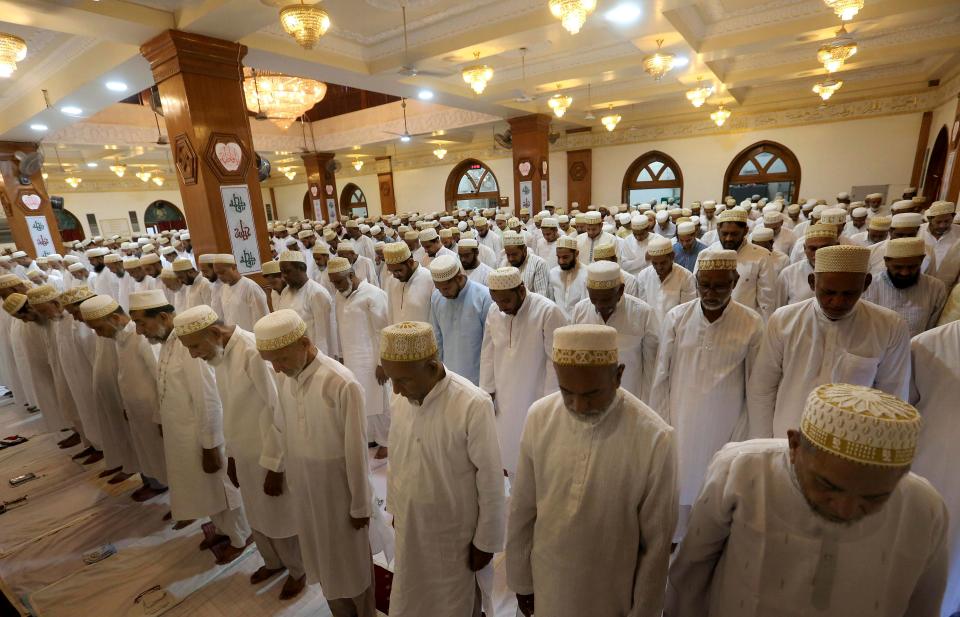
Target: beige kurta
x=137, y=371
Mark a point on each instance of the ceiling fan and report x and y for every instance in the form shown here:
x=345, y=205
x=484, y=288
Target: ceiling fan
x=405, y=136
x=408, y=69
x=521, y=95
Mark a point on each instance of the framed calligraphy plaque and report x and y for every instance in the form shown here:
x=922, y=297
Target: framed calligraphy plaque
x=243, y=233
x=40, y=234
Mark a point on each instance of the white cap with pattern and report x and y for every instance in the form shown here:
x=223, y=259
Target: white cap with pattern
x=279, y=329
x=194, y=320
x=150, y=299
x=604, y=275
x=503, y=278
x=444, y=268
x=585, y=345
x=659, y=246
x=408, y=341
x=843, y=258
x=97, y=307
x=905, y=247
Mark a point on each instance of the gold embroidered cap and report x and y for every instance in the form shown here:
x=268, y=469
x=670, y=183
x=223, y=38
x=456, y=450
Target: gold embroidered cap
x=97, y=307
x=941, y=207
x=337, y=265
x=585, y=345
x=407, y=341
x=130, y=263
x=593, y=217
x=604, y=251
x=320, y=249
x=224, y=258
x=168, y=273
x=880, y=223
x=194, y=319
x=732, y=215
x=269, y=267
x=843, y=258
x=861, y=424
x=181, y=264
x=603, y=275
x=567, y=242
x=833, y=216
x=717, y=259
x=906, y=220
x=10, y=280
x=14, y=303
x=764, y=234
x=396, y=252
x=41, y=294
x=294, y=256
x=905, y=247
x=512, y=238
x=151, y=258
x=76, y=294
x=279, y=329
x=658, y=246
x=821, y=231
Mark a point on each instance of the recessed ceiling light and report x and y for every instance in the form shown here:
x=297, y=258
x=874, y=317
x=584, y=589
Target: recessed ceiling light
x=680, y=61
x=91, y=164
x=116, y=86
x=39, y=127
x=623, y=14
x=425, y=95
x=404, y=138
x=70, y=110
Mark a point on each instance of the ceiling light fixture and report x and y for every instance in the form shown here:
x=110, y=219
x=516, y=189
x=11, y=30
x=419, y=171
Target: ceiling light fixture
x=836, y=52
x=290, y=174
x=659, y=64
x=357, y=164
x=826, y=89
x=425, y=95
x=560, y=103
x=611, y=120
x=440, y=152
x=38, y=127
x=144, y=176
x=119, y=169
x=158, y=180
x=73, y=181
x=699, y=95
x=92, y=165
x=720, y=116
x=845, y=9
x=71, y=110
x=279, y=97
x=304, y=22
x=116, y=86
x=572, y=13
x=477, y=75
x=624, y=14
x=44, y=175
x=13, y=49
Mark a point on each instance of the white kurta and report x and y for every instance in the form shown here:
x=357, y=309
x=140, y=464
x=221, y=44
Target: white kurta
x=366, y=270
x=201, y=292
x=410, y=301
x=592, y=510
x=633, y=258
x=935, y=390
x=445, y=492
x=756, y=287
x=106, y=283
x=248, y=392
x=586, y=245
x=243, y=303
x=325, y=457
x=315, y=307
x=515, y=364
x=793, y=283
x=192, y=419
x=919, y=305
x=117, y=444
x=37, y=340
x=20, y=348
x=488, y=256
x=137, y=372
x=11, y=374
x=756, y=549
x=568, y=287
x=478, y=274
x=492, y=241
x=547, y=251
x=677, y=288
x=701, y=383
x=638, y=338
x=802, y=348
x=360, y=318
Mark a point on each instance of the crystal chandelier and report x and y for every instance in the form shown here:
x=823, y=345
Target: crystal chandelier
x=720, y=116
x=611, y=120
x=440, y=152
x=477, y=75
x=659, y=63
x=845, y=9
x=305, y=23
x=357, y=164
x=144, y=176
x=158, y=180
x=13, y=49
x=119, y=169
x=827, y=88
x=280, y=97
x=699, y=95
x=836, y=52
x=572, y=13
x=73, y=181
x=559, y=103
x=290, y=174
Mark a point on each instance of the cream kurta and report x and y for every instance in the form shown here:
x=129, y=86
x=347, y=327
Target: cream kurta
x=117, y=444
x=248, y=392
x=192, y=419
x=445, y=491
x=793, y=283
x=756, y=549
x=19, y=349
x=515, y=364
x=244, y=303
x=325, y=457
x=638, y=338
x=315, y=307
x=677, y=288
x=36, y=339
x=201, y=292
x=366, y=270
x=592, y=510
x=633, y=257
x=568, y=287
x=802, y=348
x=11, y=374
x=756, y=288
x=137, y=374
x=586, y=245
x=935, y=390
x=360, y=318
x=410, y=301
x=477, y=275
x=919, y=305
x=701, y=383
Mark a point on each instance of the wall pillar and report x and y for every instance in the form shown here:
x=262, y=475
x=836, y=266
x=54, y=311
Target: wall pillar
x=388, y=198
x=531, y=152
x=321, y=187
x=32, y=222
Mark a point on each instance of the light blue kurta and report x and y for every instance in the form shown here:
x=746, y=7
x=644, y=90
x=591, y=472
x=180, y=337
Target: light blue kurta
x=458, y=325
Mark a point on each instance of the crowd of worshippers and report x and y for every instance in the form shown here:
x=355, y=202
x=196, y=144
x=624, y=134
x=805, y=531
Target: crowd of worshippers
x=716, y=410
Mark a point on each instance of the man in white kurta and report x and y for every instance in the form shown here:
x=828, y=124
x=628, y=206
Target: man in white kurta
x=638, y=328
x=248, y=392
x=78, y=345
x=594, y=503
x=593, y=236
x=324, y=454
x=935, y=390
x=707, y=353
x=242, y=300
x=361, y=315
x=568, y=279
x=533, y=270
x=409, y=286
x=829, y=522
x=192, y=418
x=834, y=337
x=197, y=289
x=904, y=289
x=311, y=301
x=364, y=268
x=756, y=287
x=663, y=284
x=445, y=480
x=473, y=267
x=515, y=355
x=793, y=282
x=634, y=248
x=546, y=243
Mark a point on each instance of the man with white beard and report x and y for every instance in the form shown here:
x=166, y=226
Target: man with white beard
x=250, y=405
x=243, y=301
x=568, y=279
x=192, y=417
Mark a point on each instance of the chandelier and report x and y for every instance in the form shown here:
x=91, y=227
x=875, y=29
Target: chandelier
x=559, y=103
x=119, y=169
x=13, y=49
x=305, y=23
x=659, y=63
x=836, y=52
x=280, y=97
x=73, y=181
x=357, y=164
x=827, y=88
x=720, y=116
x=290, y=174
x=440, y=152
x=572, y=13
x=845, y=9
x=144, y=176
x=699, y=95
x=611, y=120
x=158, y=180
x=477, y=75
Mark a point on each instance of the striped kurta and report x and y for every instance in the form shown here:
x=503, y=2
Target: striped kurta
x=920, y=305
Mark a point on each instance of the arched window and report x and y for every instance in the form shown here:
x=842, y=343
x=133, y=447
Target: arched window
x=766, y=168
x=70, y=228
x=353, y=199
x=472, y=186
x=163, y=215
x=655, y=176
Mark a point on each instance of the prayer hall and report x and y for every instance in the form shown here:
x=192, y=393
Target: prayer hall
x=479, y=308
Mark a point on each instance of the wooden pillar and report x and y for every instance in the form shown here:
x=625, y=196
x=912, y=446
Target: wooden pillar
x=579, y=178
x=27, y=205
x=951, y=176
x=321, y=186
x=921, y=152
x=388, y=199
x=531, y=151
x=201, y=91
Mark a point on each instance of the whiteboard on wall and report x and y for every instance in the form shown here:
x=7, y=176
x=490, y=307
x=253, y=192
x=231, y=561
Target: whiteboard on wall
x=109, y=227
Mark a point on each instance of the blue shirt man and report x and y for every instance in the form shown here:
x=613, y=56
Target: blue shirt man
x=687, y=247
x=458, y=313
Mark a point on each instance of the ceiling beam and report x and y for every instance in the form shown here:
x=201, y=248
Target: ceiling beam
x=120, y=21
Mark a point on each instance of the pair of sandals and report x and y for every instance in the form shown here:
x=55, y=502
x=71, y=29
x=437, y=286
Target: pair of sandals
x=12, y=440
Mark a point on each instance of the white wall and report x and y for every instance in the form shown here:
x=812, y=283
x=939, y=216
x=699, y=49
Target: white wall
x=421, y=190
x=115, y=205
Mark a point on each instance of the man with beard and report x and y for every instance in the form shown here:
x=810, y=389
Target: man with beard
x=458, y=312
x=197, y=289
x=902, y=288
x=827, y=522
x=793, y=284
x=487, y=237
x=362, y=244
x=81, y=275
x=102, y=278
x=432, y=247
x=469, y=251
x=593, y=236
x=409, y=286
x=663, y=284
x=878, y=228
x=365, y=269
x=756, y=287
x=310, y=300
x=568, y=279
x=634, y=247
x=206, y=269
x=243, y=301
x=547, y=242
x=274, y=279
x=532, y=268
